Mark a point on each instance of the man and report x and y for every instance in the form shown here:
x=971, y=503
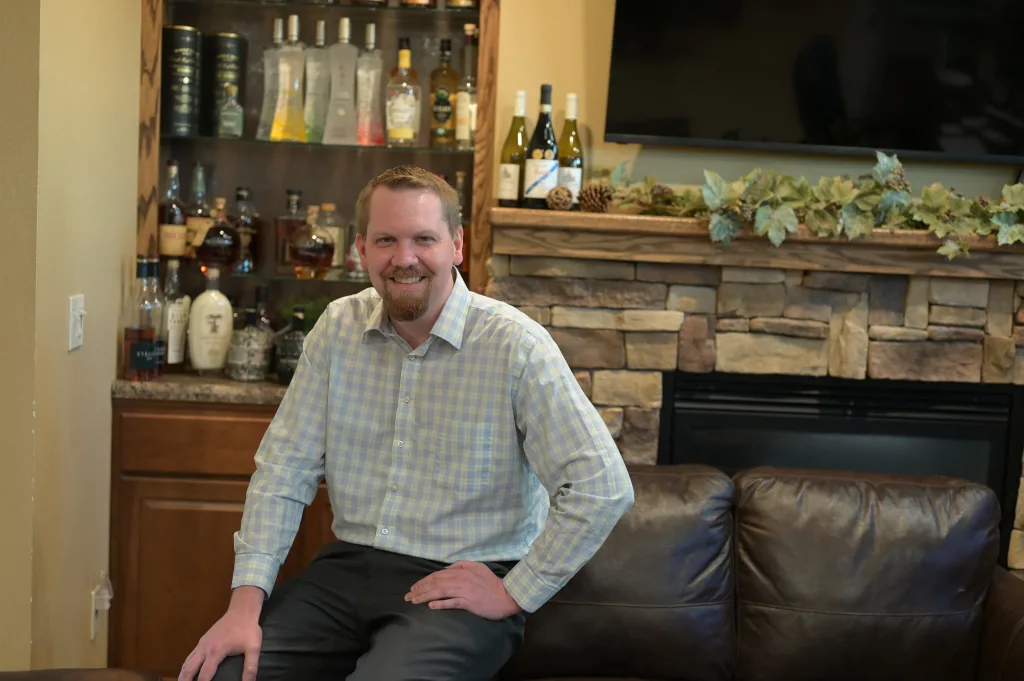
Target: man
x=469, y=475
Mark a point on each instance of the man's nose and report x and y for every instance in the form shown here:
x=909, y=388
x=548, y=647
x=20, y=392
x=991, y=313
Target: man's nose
x=405, y=256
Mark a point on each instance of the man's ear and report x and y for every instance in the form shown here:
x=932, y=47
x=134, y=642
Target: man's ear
x=459, y=242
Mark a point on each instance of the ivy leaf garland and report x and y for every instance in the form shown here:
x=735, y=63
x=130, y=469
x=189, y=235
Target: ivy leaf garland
x=774, y=205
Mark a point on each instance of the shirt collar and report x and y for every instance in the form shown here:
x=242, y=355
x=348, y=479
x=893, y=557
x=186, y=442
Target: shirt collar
x=449, y=326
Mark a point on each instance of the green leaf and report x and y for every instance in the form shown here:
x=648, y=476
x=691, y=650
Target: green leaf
x=866, y=203
x=723, y=227
x=935, y=197
x=775, y=222
x=790, y=192
x=822, y=222
x=842, y=192
x=951, y=248
x=892, y=201
x=619, y=178
x=856, y=222
x=1013, y=197
x=885, y=167
x=1010, y=231
x=717, y=192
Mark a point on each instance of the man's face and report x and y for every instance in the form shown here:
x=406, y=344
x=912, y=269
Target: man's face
x=407, y=245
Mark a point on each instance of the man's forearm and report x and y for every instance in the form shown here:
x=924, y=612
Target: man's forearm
x=247, y=601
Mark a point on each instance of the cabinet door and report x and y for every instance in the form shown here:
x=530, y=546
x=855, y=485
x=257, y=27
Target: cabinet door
x=174, y=560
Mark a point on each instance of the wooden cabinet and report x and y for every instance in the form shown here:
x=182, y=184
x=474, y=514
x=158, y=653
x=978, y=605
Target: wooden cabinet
x=180, y=474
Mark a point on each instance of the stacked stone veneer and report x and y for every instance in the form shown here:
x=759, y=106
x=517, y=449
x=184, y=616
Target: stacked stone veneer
x=621, y=324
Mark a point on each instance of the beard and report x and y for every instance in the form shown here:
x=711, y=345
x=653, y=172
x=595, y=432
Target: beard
x=406, y=306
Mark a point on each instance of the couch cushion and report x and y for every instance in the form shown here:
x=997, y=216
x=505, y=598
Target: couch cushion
x=656, y=600
x=846, y=576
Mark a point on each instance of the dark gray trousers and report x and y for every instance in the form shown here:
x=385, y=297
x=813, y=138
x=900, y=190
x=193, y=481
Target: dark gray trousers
x=345, y=617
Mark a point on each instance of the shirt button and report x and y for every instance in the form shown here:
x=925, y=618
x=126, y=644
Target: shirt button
x=401, y=444
x=407, y=398
x=384, y=531
x=394, y=488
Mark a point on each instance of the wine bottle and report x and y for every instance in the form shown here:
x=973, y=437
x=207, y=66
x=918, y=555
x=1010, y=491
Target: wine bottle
x=513, y=156
x=541, y=167
x=570, y=152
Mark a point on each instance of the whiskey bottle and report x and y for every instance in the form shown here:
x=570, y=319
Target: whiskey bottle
x=138, y=342
x=289, y=113
x=369, y=81
x=513, y=157
x=209, y=327
x=403, y=105
x=414, y=75
x=541, y=166
x=312, y=248
x=271, y=78
x=286, y=224
x=176, y=310
x=465, y=98
x=341, y=114
x=199, y=218
x=318, y=85
x=171, y=217
x=246, y=221
x=221, y=245
x=570, y=152
x=444, y=80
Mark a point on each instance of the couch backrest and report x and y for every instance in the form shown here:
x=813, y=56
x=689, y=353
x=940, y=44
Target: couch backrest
x=656, y=600
x=850, y=577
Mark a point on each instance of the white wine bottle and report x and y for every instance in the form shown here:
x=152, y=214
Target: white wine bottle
x=570, y=152
x=541, y=166
x=513, y=156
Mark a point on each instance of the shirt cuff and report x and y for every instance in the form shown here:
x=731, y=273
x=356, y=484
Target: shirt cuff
x=526, y=588
x=253, y=569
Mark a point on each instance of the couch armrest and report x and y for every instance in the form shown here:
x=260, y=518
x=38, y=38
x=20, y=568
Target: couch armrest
x=1001, y=656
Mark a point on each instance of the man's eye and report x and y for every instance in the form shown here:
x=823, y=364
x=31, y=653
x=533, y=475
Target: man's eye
x=426, y=238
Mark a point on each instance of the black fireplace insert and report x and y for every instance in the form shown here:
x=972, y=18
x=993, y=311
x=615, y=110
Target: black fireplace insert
x=734, y=422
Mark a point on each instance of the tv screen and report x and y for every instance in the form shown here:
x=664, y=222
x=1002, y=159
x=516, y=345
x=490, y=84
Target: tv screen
x=938, y=79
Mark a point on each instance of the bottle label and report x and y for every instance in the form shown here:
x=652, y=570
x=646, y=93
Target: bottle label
x=177, y=322
x=173, y=240
x=508, y=182
x=401, y=114
x=571, y=179
x=442, y=109
x=463, y=116
x=142, y=355
x=195, y=230
x=541, y=177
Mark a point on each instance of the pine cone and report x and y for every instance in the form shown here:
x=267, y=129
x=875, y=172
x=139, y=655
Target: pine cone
x=661, y=193
x=596, y=197
x=559, y=198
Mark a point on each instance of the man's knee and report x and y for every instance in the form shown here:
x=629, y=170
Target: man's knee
x=230, y=669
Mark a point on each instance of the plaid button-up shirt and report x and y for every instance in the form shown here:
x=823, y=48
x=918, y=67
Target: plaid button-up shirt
x=478, y=445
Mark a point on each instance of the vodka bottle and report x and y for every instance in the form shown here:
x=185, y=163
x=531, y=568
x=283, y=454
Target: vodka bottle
x=341, y=114
x=369, y=107
x=289, y=114
x=271, y=75
x=318, y=85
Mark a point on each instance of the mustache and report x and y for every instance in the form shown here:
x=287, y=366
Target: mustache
x=402, y=272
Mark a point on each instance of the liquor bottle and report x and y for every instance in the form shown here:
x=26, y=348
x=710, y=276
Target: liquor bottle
x=513, y=157
x=461, y=4
x=221, y=245
x=318, y=85
x=570, y=152
x=249, y=351
x=246, y=221
x=355, y=270
x=460, y=189
x=465, y=98
x=423, y=4
x=176, y=309
x=171, y=217
x=341, y=114
x=289, y=346
x=369, y=109
x=199, y=218
x=271, y=78
x=289, y=112
x=414, y=75
x=262, y=296
x=231, y=116
x=286, y=224
x=403, y=105
x=444, y=80
x=224, y=62
x=312, y=248
x=541, y=167
x=160, y=338
x=138, y=343
x=330, y=222
x=209, y=327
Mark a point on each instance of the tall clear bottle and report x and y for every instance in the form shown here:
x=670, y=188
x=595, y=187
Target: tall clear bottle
x=271, y=78
x=513, y=157
x=138, y=341
x=403, y=104
x=199, y=217
x=465, y=97
x=341, y=114
x=369, y=85
x=176, y=309
x=318, y=85
x=157, y=297
x=541, y=157
x=289, y=112
x=570, y=152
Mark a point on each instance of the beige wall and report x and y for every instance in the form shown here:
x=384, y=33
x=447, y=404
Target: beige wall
x=571, y=49
x=84, y=113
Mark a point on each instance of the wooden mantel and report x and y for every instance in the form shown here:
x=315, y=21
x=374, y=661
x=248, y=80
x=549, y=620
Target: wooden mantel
x=610, y=236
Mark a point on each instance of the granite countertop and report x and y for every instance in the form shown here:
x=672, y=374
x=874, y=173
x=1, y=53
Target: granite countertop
x=187, y=388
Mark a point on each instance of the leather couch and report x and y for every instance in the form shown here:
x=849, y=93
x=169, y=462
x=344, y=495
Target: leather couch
x=787, y=575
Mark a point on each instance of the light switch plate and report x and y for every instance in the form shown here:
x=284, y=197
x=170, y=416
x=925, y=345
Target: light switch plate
x=76, y=321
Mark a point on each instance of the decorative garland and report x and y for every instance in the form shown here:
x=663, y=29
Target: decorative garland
x=775, y=205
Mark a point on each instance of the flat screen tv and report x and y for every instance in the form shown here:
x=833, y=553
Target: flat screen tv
x=928, y=79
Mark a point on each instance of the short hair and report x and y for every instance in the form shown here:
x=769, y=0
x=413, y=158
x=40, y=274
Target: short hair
x=411, y=177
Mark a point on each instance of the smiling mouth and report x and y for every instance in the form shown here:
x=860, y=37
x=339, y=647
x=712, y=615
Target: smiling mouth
x=407, y=280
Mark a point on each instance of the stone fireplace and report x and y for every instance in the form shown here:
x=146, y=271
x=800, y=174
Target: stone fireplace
x=632, y=323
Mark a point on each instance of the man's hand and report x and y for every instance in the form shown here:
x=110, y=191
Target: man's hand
x=465, y=585
x=236, y=633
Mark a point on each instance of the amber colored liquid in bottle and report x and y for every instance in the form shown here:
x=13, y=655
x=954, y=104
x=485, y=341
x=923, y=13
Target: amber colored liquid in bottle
x=135, y=368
